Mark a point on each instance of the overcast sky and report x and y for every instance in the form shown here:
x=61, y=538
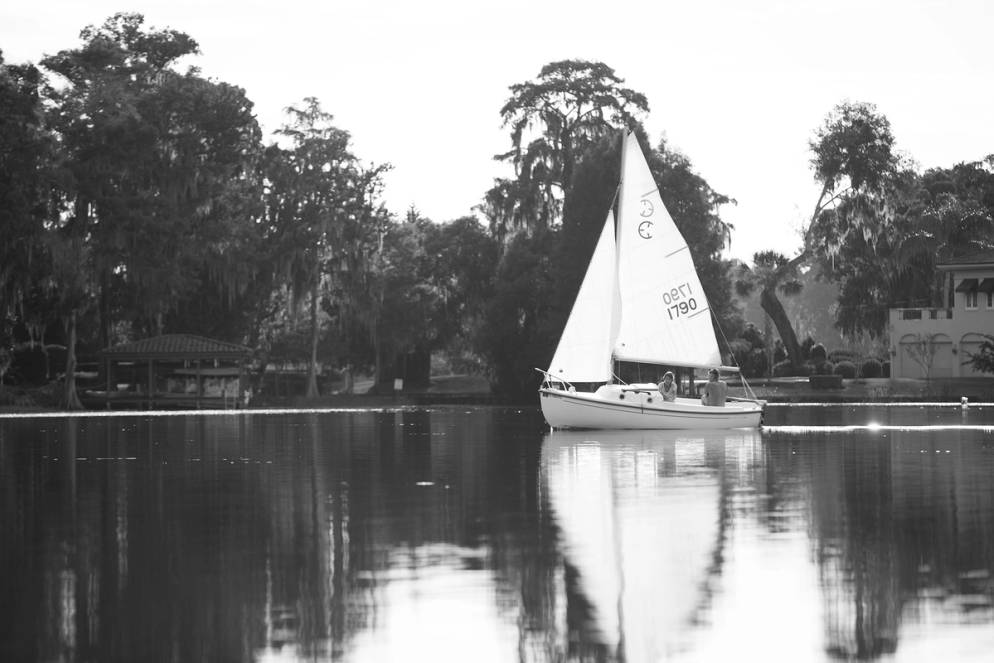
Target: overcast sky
x=738, y=87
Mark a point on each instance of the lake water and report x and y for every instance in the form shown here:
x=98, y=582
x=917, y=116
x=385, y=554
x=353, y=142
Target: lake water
x=473, y=534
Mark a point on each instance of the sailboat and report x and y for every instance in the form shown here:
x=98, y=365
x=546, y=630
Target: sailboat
x=640, y=301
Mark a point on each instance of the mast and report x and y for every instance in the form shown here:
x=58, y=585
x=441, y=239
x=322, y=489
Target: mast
x=617, y=244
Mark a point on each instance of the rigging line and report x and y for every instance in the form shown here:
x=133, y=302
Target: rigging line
x=614, y=199
x=618, y=378
x=717, y=323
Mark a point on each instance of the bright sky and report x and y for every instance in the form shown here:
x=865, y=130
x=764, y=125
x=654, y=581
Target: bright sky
x=739, y=87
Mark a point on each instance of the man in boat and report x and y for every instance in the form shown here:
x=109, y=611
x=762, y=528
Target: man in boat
x=715, y=390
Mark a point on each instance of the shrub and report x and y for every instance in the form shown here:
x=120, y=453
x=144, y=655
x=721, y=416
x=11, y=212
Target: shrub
x=846, y=369
x=783, y=369
x=871, y=368
x=835, y=356
x=750, y=360
x=983, y=360
x=753, y=336
x=817, y=353
x=740, y=353
x=779, y=352
x=820, y=367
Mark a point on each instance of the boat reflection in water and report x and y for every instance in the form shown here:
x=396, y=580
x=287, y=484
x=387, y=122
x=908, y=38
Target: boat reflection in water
x=641, y=520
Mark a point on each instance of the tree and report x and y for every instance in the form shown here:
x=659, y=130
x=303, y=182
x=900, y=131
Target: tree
x=71, y=281
x=853, y=160
x=983, y=361
x=358, y=269
x=772, y=273
x=952, y=216
x=424, y=289
x=310, y=185
x=922, y=351
x=26, y=171
x=461, y=260
x=553, y=120
x=407, y=325
x=944, y=214
x=519, y=333
x=749, y=351
x=159, y=169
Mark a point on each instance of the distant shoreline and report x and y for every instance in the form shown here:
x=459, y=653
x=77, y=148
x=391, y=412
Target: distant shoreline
x=776, y=391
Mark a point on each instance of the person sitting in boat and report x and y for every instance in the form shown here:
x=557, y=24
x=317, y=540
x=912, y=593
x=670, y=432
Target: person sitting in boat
x=715, y=390
x=667, y=387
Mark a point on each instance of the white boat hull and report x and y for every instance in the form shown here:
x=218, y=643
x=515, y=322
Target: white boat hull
x=613, y=407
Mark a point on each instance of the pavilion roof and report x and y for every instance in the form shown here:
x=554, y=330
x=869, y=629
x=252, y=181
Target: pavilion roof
x=177, y=346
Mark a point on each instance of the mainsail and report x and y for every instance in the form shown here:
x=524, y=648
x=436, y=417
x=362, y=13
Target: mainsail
x=641, y=301
x=584, y=350
x=665, y=317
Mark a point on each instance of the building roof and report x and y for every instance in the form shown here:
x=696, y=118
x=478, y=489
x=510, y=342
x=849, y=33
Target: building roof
x=180, y=346
x=977, y=259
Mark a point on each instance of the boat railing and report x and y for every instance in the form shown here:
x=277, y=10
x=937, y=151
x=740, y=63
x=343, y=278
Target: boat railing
x=553, y=382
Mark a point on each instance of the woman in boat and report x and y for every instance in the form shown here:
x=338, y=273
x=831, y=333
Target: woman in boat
x=667, y=387
x=715, y=391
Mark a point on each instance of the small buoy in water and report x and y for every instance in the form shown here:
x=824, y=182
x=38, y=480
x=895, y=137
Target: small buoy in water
x=964, y=402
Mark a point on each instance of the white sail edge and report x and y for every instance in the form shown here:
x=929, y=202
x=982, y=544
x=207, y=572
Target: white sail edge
x=584, y=350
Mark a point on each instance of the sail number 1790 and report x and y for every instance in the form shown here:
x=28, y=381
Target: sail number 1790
x=679, y=301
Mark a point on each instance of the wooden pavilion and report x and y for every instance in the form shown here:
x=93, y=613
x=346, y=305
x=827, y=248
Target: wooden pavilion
x=174, y=371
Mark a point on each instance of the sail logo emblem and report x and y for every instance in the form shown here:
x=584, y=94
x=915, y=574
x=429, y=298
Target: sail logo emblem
x=645, y=228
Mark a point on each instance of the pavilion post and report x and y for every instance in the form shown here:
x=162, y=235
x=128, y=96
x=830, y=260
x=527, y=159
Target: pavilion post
x=151, y=383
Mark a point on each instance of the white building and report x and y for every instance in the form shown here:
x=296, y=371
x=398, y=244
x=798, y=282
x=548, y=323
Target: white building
x=936, y=342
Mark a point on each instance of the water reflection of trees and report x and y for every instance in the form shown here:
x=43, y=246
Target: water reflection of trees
x=229, y=538
x=899, y=523
x=224, y=538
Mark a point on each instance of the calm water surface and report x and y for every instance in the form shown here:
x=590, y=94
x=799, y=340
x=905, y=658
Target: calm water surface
x=474, y=534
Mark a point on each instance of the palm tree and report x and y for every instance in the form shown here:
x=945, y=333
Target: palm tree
x=954, y=217
x=773, y=272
